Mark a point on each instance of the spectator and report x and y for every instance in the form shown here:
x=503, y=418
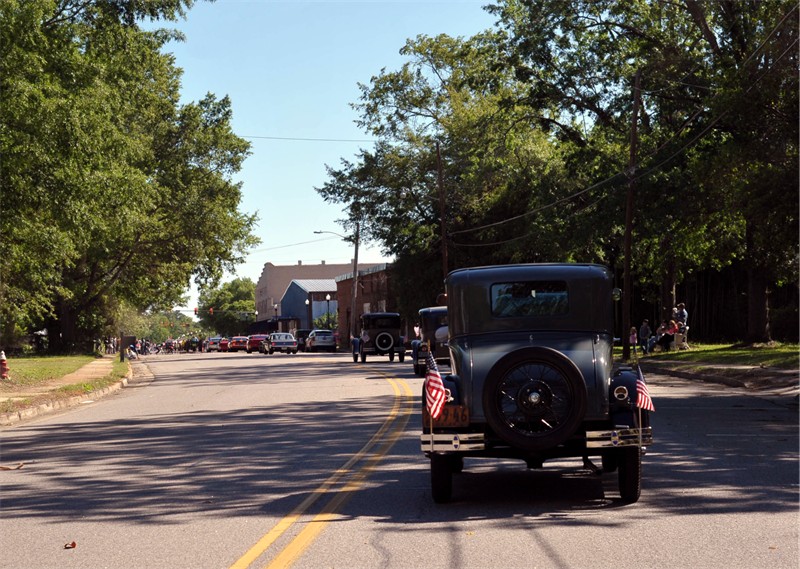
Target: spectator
x=644, y=335
x=669, y=336
x=682, y=316
x=632, y=339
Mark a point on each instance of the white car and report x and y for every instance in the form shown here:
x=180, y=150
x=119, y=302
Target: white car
x=321, y=340
x=213, y=344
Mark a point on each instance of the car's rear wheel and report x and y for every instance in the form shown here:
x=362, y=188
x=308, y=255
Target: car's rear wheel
x=630, y=474
x=534, y=398
x=441, y=478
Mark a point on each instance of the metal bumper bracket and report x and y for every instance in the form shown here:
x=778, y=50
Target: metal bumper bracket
x=619, y=438
x=452, y=442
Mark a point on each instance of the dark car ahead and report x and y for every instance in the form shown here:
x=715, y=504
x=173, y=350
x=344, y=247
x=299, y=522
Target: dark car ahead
x=433, y=338
x=532, y=375
x=380, y=336
x=301, y=335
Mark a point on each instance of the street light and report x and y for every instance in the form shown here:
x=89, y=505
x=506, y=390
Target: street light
x=275, y=306
x=352, y=322
x=308, y=313
x=328, y=315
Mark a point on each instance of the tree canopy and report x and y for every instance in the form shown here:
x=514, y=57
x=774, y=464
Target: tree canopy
x=533, y=122
x=112, y=190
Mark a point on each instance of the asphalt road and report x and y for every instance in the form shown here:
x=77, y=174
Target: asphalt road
x=237, y=460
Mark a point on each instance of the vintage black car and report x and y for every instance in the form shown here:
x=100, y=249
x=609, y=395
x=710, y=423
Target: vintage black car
x=431, y=321
x=380, y=335
x=532, y=375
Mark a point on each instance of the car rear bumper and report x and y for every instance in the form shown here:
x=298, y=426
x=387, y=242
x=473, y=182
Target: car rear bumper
x=470, y=442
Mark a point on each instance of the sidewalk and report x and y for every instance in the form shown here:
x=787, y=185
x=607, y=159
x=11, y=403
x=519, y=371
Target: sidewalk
x=96, y=369
x=753, y=378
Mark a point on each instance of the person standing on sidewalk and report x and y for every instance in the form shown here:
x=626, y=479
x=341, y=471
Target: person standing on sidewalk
x=644, y=335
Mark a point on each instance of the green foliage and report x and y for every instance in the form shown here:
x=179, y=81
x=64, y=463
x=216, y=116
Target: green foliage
x=328, y=321
x=116, y=192
x=533, y=123
x=233, y=304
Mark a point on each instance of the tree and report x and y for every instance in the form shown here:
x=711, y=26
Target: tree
x=228, y=309
x=533, y=119
x=118, y=191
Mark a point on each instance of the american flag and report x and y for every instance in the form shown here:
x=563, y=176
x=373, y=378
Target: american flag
x=643, y=400
x=435, y=393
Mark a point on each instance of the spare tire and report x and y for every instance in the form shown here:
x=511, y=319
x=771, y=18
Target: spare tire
x=384, y=341
x=534, y=398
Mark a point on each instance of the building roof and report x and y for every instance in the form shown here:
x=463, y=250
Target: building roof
x=373, y=269
x=316, y=285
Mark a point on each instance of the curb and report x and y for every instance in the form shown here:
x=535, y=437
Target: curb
x=48, y=407
x=750, y=384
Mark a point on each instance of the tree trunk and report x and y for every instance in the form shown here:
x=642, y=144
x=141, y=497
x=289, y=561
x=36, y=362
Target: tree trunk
x=757, y=306
x=668, y=291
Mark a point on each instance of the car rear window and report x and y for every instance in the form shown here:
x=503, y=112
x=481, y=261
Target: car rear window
x=382, y=322
x=531, y=298
x=323, y=334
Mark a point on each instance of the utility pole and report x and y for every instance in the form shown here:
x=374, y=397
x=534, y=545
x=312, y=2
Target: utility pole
x=627, y=284
x=352, y=323
x=441, y=209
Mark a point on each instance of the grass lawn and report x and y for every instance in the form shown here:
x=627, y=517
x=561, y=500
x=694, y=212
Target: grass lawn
x=26, y=373
x=34, y=370
x=776, y=355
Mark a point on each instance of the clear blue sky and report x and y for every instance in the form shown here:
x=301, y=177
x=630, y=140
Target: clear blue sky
x=292, y=70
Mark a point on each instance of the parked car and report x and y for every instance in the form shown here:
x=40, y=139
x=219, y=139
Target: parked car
x=254, y=342
x=532, y=375
x=223, y=344
x=237, y=343
x=213, y=344
x=433, y=337
x=380, y=335
x=320, y=340
x=301, y=335
x=280, y=342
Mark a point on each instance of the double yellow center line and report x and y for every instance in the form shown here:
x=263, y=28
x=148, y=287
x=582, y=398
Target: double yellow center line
x=388, y=434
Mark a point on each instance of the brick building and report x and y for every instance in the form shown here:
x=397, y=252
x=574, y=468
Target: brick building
x=375, y=294
x=275, y=279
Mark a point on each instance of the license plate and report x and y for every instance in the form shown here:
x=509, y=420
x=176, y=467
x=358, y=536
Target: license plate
x=452, y=416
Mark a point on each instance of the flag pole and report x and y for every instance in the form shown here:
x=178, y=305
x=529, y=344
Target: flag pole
x=639, y=374
x=430, y=415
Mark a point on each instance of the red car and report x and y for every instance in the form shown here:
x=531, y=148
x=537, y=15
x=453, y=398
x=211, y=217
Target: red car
x=237, y=343
x=254, y=342
x=223, y=345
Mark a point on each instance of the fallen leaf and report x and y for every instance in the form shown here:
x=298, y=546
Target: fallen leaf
x=70, y=545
